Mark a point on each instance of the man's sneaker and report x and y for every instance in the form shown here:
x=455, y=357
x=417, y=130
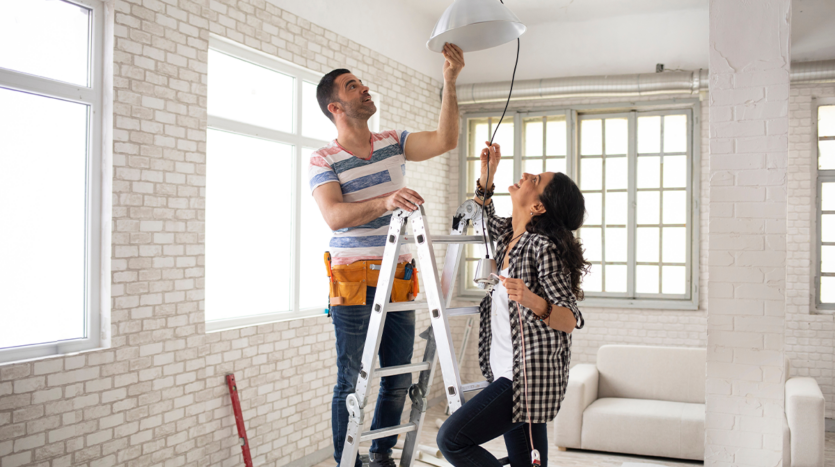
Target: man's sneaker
x=381, y=460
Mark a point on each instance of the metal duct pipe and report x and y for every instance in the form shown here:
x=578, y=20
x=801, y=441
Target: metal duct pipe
x=634, y=85
x=814, y=72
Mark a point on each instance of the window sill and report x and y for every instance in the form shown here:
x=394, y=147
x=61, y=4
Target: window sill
x=257, y=320
x=30, y=353
x=821, y=310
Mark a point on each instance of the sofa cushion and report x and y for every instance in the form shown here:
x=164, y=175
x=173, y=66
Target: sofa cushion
x=675, y=374
x=645, y=427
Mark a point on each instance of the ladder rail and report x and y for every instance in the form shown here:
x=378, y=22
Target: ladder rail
x=381, y=298
x=438, y=317
x=356, y=402
x=439, y=345
x=420, y=403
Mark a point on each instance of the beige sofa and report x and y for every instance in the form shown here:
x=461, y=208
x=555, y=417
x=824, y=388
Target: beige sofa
x=804, y=427
x=650, y=401
x=637, y=400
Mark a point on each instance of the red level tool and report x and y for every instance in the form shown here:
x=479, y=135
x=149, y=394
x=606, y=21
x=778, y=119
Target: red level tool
x=239, y=418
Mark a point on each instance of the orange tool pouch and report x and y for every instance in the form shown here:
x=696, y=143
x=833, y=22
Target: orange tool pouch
x=349, y=283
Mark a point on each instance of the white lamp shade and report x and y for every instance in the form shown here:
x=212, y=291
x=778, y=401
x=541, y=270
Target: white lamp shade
x=475, y=25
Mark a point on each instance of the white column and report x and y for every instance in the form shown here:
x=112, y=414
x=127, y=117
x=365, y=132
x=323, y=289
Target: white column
x=749, y=94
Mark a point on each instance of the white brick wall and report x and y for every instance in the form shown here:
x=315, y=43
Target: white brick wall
x=158, y=395
x=749, y=97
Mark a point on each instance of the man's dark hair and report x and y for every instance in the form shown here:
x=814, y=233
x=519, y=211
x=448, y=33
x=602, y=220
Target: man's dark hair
x=326, y=93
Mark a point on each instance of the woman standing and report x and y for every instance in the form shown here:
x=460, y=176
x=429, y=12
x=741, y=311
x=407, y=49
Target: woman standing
x=524, y=344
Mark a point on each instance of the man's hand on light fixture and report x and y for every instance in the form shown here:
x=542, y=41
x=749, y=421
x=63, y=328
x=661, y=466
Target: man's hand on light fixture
x=454, y=62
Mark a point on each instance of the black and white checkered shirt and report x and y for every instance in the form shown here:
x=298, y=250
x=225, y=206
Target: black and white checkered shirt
x=536, y=261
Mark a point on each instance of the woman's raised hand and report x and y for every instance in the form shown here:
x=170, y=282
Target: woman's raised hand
x=490, y=156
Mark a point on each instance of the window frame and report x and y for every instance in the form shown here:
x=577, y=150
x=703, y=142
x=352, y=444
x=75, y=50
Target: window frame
x=299, y=142
x=820, y=177
x=98, y=96
x=573, y=114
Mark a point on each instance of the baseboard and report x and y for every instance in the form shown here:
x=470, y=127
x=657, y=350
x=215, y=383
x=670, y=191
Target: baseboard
x=830, y=424
x=312, y=459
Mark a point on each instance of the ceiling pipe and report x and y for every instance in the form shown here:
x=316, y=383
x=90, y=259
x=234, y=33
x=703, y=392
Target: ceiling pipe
x=634, y=85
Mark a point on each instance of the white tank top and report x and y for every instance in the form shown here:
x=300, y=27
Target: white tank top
x=501, y=345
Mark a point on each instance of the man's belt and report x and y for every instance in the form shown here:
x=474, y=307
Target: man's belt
x=349, y=282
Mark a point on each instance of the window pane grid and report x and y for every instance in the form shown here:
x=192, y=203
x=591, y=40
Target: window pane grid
x=668, y=232
x=50, y=79
x=606, y=162
x=282, y=98
x=661, y=190
x=52, y=40
x=596, y=143
x=825, y=264
x=825, y=267
x=544, y=144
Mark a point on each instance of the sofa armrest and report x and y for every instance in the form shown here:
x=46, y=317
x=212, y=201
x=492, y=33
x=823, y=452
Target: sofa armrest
x=805, y=416
x=787, y=445
x=580, y=393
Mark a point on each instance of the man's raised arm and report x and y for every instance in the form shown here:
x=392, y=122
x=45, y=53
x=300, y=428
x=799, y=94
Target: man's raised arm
x=424, y=145
x=339, y=215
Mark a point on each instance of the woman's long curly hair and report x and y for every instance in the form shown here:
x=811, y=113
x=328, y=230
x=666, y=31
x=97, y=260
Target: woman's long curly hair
x=565, y=209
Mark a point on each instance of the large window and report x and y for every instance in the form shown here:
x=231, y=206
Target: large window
x=636, y=171
x=825, y=266
x=51, y=262
x=265, y=236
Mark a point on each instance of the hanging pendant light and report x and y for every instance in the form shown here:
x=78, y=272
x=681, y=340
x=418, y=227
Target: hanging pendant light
x=475, y=25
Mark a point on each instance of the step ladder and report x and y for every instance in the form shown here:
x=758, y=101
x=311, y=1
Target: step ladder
x=439, y=344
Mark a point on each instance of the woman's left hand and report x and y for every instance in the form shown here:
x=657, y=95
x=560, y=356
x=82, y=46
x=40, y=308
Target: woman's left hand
x=519, y=293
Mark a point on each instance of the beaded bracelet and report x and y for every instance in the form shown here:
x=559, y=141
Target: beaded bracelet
x=481, y=193
x=547, y=313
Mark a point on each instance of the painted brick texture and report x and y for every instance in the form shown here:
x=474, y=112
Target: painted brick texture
x=158, y=396
x=749, y=151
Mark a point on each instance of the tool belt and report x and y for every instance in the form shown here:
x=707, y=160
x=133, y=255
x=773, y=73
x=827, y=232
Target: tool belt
x=348, y=284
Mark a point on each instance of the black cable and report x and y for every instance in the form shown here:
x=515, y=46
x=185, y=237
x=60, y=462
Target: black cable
x=484, y=189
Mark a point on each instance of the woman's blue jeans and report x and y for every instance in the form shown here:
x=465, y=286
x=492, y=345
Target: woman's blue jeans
x=485, y=417
x=396, y=346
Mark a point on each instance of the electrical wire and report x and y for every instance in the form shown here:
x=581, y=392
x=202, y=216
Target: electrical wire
x=509, y=94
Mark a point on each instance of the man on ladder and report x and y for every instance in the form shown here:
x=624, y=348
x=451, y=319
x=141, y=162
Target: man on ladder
x=358, y=181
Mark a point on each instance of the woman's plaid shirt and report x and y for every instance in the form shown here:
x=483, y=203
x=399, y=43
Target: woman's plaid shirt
x=536, y=261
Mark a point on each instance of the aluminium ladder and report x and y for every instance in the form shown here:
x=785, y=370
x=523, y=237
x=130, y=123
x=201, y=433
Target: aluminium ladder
x=439, y=344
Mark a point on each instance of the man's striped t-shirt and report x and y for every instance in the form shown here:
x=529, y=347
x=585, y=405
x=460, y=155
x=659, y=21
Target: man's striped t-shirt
x=362, y=179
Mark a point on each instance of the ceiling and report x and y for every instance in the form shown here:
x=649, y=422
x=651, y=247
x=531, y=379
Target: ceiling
x=564, y=37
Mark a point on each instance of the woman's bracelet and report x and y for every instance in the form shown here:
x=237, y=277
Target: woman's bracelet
x=548, y=311
x=484, y=194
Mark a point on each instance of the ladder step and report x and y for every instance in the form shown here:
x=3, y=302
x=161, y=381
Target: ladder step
x=448, y=239
x=470, y=387
x=463, y=311
x=390, y=431
x=401, y=369
x=405, y=306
